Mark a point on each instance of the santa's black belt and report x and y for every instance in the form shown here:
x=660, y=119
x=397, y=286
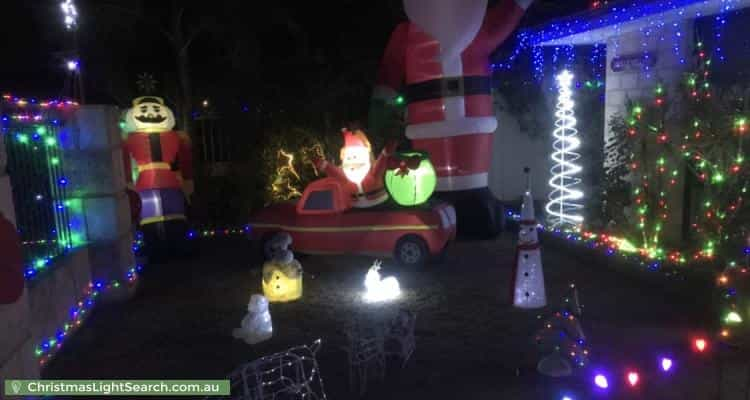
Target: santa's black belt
x=449, y=87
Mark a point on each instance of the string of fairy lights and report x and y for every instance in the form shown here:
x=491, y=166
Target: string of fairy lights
x=47, y=349
x=611, y=15
x=564, y=206
x=32, y=130
x=722, y=172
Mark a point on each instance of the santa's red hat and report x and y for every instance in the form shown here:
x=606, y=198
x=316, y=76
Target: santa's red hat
x=355, y=139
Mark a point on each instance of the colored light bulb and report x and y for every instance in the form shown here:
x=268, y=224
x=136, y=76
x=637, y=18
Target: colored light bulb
x=733, y=318
x=700, y=344
x=601, y=381
x=666, y=364
x=633, y=378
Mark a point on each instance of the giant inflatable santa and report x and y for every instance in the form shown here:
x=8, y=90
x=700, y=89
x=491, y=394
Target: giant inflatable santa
x=440, y=61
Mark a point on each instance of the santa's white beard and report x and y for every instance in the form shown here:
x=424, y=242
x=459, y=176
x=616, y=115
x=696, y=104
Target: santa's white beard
x=356, y=174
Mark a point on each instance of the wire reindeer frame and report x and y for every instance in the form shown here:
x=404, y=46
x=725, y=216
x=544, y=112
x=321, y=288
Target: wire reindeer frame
x=289, y=375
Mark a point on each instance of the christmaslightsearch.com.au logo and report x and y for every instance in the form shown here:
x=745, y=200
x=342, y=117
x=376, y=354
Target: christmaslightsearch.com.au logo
x=20, y=387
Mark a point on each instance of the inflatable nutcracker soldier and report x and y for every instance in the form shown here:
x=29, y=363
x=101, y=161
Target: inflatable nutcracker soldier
x=440, y=60
x=360, y=174
x=528, y=276
x=11, y=263
x=164, y=162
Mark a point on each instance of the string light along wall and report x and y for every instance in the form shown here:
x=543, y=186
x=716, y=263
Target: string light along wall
x=533, y=43
x=564, y=207
x=70, y=14
x=50, y=221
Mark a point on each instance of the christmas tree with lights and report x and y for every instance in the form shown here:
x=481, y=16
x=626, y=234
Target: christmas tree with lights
x=286, y=178
x=651, y=176
x=710, y=151
x=562, y=340
x=715, y=125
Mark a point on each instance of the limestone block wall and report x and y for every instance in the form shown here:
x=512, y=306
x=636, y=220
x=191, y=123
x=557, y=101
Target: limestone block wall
x=94, y=165
x=16, y=342
x=52, y=296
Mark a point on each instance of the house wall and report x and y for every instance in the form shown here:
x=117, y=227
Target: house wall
x=512, y=150
x=16, y=343
x=93, y=164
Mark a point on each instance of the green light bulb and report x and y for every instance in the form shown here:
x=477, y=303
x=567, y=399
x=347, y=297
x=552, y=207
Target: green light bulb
x=733, y=318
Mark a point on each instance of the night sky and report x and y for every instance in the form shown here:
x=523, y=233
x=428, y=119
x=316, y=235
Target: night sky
x=282, y=53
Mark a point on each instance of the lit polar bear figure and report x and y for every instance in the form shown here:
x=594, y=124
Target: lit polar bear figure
x=256, y=326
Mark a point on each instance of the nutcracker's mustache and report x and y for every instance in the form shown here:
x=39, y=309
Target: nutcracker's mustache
x=151, y=119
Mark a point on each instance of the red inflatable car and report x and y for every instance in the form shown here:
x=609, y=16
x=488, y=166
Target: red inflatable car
x=321, y=222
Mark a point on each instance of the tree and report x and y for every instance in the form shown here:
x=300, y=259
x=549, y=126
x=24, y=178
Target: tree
x=616, y=188
x=178, y=32
x=715, y=123
x=711, y=145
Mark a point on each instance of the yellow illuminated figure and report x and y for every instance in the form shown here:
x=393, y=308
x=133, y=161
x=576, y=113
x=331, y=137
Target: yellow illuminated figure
x=282, y=274
x=282, y=188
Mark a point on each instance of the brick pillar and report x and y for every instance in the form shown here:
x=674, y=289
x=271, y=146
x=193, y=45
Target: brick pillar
x=93, y=163
x=16, y=343
x=639, y=85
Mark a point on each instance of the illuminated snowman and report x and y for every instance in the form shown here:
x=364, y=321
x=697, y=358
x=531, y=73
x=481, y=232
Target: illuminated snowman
x=282, y=274
x=528, y=285
x=256, y=326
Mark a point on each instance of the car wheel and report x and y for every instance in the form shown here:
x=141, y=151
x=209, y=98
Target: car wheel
x=411, y=251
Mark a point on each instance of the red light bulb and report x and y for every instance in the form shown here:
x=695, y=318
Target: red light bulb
x=700, y=344
x=633, y=378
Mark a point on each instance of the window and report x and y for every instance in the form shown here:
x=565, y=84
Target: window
x=319, y=200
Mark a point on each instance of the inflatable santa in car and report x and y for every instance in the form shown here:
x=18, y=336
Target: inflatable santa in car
x=440, y=60
x=362, y=176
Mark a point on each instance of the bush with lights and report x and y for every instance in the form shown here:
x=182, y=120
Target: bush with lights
x=287, y=162
x=712, y=125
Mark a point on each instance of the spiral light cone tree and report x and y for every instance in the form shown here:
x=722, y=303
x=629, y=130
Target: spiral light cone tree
x=564, y=207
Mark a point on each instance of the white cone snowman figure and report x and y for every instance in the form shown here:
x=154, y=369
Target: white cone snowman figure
x=528, y=275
